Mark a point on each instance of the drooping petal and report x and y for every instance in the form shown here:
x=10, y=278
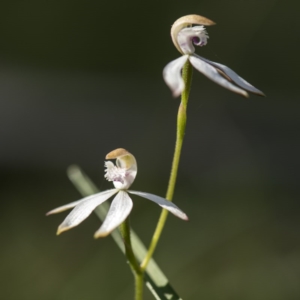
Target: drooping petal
x=171, y=207
x=212, y=73
x=172, y=75
x=234, y=77
x=84, y=209
x=119, y=210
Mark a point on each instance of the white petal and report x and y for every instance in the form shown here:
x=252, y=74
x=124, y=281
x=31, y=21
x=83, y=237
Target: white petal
x=84, y=209
x=163, y=203
x=64, y=207
x=212, y=73
x=234, y=77
x=119, y=210
x=72, y=204
x=172, y=75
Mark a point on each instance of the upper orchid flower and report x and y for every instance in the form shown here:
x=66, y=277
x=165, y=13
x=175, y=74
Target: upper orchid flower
x=122, y=175
x=184, y=38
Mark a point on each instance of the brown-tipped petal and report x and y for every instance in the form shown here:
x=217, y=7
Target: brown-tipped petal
x=119, y=210
x=187, y=21
x=61, y=230
x=84, y=209
x=212, y=73
x=170, y=206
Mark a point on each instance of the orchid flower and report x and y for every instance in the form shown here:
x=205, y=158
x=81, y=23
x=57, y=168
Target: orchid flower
x=184, y=37
x=122, y=175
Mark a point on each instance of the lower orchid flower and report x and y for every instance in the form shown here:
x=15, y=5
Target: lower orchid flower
x=122, y=175
x=184, y=38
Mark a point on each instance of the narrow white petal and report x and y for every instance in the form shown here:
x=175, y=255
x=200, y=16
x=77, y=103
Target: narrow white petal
x=234, y=77
x=212, y=73
x=119, y=210
x=84, y=209
x=72, y=204
x=63, y=207
x=163, y=203
x=172, y=75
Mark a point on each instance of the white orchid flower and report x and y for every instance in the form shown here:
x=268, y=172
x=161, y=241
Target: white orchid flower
x=184, y=38
x=122, y=175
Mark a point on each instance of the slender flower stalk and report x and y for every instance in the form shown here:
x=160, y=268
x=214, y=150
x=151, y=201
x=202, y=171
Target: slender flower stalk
x=181, y=125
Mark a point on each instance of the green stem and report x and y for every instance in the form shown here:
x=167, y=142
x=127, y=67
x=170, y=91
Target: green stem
x=139, y=286
x=136, y=269
x=181, y=125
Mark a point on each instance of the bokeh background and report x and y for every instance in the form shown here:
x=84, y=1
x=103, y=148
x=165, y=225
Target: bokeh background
x=81, y=78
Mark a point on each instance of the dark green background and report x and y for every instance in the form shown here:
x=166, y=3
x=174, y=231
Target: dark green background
x=81, y=78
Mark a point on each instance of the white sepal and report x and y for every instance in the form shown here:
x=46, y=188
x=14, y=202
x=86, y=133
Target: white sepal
x=119, y=210
x=84, y=209
x=233, y=76
x=212, y=73
x=170, y=206
x=172, y=75
x=64, y=207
